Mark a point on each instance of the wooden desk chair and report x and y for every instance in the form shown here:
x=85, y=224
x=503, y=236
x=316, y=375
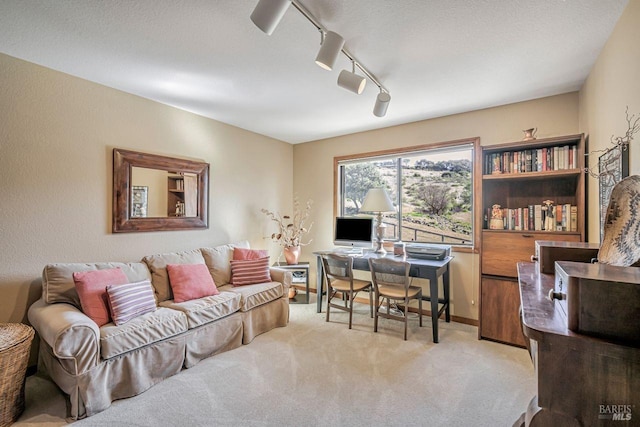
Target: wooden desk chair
x=391, y=281
x=338, y=271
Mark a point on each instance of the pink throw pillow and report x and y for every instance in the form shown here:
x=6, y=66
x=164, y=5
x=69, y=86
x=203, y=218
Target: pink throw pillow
x=92, y=290
x=247, y=254
x=249, y=272
x=190, y=281
x=131, y=300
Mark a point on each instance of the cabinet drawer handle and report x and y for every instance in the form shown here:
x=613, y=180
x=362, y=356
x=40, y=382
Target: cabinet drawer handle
x=556, y=295
x=534, y=258
x=527, y=235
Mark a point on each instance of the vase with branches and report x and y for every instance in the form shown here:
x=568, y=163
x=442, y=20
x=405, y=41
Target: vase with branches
x=291, y=229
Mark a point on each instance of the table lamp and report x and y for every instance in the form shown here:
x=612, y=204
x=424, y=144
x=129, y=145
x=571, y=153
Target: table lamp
x=377, y=201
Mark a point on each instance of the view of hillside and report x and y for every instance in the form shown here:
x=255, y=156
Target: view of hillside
x=436, y=196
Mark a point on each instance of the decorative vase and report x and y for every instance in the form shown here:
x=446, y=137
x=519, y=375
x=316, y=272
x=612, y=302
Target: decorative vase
x=529, y=134
x=291, y=254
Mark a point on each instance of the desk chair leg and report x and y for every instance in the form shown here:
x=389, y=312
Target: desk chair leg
x=375, y=314
x=371, y=301
x=328, y=300
x=406, y=317
x=350, y=307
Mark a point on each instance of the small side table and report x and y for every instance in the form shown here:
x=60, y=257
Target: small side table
x=300, y=273
x=15, y=346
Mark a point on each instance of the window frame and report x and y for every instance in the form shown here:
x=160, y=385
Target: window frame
x=476, y=178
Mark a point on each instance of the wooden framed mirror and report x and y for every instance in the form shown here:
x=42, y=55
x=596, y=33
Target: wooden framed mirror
x=158, y=193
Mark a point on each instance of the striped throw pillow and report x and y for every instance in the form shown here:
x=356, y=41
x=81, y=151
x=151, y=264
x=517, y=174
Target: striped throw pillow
x=130, y=300
x=249, y=272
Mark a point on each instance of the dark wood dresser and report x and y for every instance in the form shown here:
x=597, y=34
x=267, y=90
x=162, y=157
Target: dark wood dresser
x=582, y=380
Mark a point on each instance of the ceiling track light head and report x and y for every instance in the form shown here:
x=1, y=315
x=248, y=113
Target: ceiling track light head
x=382, y=103
x=268, y=13
x=351, y=81
x=329, y=50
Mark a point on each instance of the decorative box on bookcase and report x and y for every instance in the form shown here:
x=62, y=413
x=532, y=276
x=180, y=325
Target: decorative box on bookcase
x=520, y=176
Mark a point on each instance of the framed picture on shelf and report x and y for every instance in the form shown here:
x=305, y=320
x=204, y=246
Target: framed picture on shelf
x=139, y=196
x=613, y=165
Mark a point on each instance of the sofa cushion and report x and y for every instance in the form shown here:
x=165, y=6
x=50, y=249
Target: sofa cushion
x=249, y=272
x=204, y=310
x=158, y=266
x=92, y=291
x=255, y=295
x=141, y=331
x=245, y=254
x=58, y=284
x=130, y=300
x=190, y=281
x=218, y=261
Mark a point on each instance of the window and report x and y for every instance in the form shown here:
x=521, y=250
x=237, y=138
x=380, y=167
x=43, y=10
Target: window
x=433, y=185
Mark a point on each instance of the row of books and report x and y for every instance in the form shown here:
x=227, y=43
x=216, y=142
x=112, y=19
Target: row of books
x=538, y=218
x=534, y=160
x=179, y=185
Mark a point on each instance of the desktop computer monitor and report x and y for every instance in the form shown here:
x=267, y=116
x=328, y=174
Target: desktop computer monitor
x=356, y=232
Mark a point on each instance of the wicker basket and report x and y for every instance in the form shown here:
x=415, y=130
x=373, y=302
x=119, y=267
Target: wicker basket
x=15, y=344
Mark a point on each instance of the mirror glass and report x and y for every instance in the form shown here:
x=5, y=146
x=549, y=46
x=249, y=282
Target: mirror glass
x=159, y=193
x=152, y=192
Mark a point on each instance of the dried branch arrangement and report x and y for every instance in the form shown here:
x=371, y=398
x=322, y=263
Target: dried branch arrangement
x=619, y=143
x=291, y=229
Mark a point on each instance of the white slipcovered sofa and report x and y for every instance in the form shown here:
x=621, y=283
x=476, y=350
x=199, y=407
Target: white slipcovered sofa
x=97, y=365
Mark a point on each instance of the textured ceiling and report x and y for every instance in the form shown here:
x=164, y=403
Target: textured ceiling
x=436, y=57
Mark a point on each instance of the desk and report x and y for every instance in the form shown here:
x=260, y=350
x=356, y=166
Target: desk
x=421, y=268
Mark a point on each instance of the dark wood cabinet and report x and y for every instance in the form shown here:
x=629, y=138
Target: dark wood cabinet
x=500, y=310
x=503, y=250
x=581, y=380
x=517, y=186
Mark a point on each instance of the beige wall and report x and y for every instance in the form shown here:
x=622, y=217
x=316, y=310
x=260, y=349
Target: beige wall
x=313, y=167
x=57, y=134
x=157, y=189
x=613, y=84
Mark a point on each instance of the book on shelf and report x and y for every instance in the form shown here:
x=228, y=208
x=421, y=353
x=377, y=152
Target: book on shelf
x=532, y=218
x=573, y=218
x=537, y=217
x=558, y=217
x=532, y=160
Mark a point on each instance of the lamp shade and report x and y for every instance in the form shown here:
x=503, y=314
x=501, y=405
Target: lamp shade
x=351, y=81
x=329, y=51
x=268, y=13
x=382, y=103
x=377, y=200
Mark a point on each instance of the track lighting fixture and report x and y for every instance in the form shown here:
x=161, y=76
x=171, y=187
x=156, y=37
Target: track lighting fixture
x=329, y=50
x=268, y=13
x=382, y=103
x=351, y=81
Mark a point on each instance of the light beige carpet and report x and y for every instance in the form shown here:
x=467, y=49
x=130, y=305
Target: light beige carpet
x=314, y=373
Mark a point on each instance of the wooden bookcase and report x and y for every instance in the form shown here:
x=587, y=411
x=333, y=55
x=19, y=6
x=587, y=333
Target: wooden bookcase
x=183, y=189
x=508, y=181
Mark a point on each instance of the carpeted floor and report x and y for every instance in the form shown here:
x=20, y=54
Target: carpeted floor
x=314, y=373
